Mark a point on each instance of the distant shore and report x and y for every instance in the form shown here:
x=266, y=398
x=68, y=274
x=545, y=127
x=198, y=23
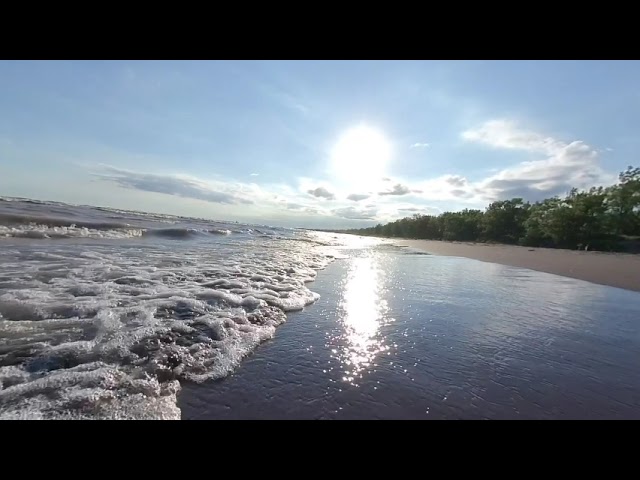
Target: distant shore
x=613, y=269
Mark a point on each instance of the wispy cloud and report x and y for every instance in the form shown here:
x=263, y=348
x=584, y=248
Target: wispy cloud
x=284, y=97
x=506, y=134
x=420, y=145
x=398, y=189
x=254, y=174
x=321, y=192
x=356, y=197
x=354, y=213
x=295, y=206
x=447, y=188
x=290, y=101
x=180, y=186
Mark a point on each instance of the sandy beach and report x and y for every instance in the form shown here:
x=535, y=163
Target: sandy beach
x=612, y=269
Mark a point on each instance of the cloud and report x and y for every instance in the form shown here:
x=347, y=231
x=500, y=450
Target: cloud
x=295, y=206
x=448, y=188
x=566, y=165
x=321, y=192
x=398, y=189
x=412, y=209
x=292, y=102
x=356, y=197
x=461, y=193
x=386, y=179
x=354, y=213
x=281, y=94
x=180, y=186
x=254, y=174
x=505, y=134
x=419, y=145
x=456, y=180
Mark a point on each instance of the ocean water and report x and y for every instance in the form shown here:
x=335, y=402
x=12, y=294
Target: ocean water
x=114, y=314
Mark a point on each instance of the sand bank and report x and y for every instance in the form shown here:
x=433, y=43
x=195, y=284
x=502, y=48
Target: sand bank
x=613, y=269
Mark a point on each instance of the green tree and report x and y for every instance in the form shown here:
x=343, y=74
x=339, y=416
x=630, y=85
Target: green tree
x=536, y=231
x=623, y=202
x=590, y=216
x=461, y=226
x=504, y=220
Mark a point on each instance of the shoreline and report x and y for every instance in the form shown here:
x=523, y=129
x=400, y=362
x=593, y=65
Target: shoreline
x=620, y=270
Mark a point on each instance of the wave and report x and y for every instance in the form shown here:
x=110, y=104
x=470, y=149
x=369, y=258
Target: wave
x=58, y=232
x=10, y=219
x=103, y=231
x=183, y=233
x=176, y=233
x=110, y=332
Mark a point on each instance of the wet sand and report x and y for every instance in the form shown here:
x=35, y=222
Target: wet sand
x=612, y=269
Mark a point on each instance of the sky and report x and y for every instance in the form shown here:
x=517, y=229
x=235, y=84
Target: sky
x=317, y=144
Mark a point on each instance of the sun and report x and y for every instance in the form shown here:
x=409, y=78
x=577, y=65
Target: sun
x=360, y=156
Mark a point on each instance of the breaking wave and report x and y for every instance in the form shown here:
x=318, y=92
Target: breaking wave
x=71, y=231
x=109, y=330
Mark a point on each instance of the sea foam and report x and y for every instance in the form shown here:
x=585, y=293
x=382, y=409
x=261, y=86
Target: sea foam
x=94, y=329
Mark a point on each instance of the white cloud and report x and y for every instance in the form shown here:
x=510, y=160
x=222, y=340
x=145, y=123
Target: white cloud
x=505, y=134
x=420, y=145
x=254, y=174
x=454, y=188
x=566, y=165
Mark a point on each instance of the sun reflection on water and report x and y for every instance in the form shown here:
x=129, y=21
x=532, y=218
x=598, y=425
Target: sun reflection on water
x=363, y=311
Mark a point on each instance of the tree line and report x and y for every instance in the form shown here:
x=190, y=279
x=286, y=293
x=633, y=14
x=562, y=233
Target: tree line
x=606, y=219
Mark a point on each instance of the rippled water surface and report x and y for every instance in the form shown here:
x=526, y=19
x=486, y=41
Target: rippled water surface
x=401, y=335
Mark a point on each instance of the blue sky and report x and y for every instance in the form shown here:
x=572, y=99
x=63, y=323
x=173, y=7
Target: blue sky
x=313, y=143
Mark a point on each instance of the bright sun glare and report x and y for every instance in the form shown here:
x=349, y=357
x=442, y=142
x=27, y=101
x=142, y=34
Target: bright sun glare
x=360, y=155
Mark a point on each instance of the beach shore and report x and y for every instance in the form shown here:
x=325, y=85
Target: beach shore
x=612, y=269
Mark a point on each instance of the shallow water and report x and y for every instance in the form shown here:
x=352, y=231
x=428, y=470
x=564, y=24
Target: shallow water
x=398, y=335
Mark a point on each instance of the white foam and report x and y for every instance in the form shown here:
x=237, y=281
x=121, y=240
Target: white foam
x=44, y=231
x=111, y=329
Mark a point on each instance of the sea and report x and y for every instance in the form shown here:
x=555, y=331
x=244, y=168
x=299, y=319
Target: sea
x=115, y=314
